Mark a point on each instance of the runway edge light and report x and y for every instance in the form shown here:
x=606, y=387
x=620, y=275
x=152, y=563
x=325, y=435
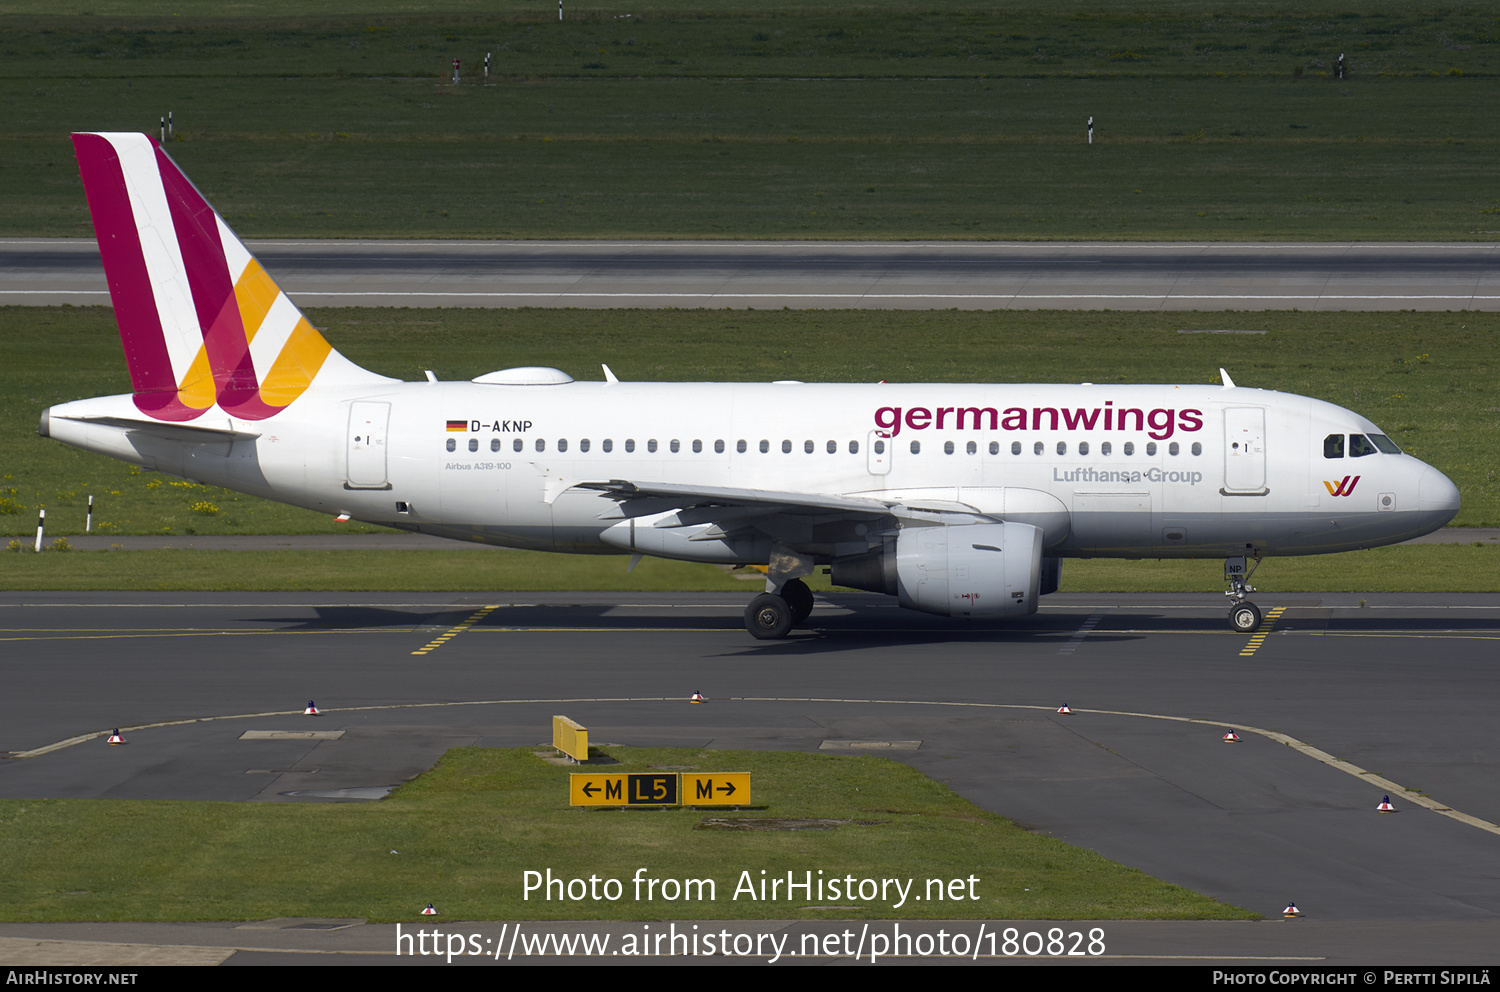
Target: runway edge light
x=697, y=698
x=1231, y=738
x=429, y=911
x=311, y=710
x=1291, y=912
x=1064, y=710
x=1385, y=806
x=115, y=737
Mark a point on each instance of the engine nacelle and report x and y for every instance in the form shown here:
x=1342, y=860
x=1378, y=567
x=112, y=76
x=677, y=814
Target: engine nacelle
x=969, y=570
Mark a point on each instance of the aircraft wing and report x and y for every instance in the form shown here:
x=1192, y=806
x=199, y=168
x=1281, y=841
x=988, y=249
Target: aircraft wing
x=686, y=496
x=705, y=500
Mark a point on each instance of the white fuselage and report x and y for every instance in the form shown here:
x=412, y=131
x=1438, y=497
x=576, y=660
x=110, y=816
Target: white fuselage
x=1104, y=470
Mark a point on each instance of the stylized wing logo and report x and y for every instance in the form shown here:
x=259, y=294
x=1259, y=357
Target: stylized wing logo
x=1345, y=486
x=198, y=314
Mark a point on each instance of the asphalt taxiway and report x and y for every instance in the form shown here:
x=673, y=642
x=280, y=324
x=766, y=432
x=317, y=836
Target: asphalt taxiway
x=1345, y=699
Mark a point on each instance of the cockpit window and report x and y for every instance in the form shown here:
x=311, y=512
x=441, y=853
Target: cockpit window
x=1333, y=446
x=1359, y=446
x=1385, y=444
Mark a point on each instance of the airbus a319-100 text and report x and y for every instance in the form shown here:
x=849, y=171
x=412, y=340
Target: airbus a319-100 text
x=958, y=499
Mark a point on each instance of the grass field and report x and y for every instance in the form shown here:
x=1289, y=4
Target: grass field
x=723, y=119
x=462, y=835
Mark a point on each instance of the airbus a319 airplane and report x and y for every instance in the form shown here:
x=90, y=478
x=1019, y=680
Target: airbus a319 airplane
x=959, y=499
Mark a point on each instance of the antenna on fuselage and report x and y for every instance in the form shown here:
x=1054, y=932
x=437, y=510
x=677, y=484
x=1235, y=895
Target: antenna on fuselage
x=1228, y=382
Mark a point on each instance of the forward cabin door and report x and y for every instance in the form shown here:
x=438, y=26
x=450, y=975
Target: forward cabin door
x=1245, y=451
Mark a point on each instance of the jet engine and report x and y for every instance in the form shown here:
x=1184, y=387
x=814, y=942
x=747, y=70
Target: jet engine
x=964, y=570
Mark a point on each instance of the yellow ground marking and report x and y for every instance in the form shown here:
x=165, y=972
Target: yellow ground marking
x=453, y=632
x=1259, y=637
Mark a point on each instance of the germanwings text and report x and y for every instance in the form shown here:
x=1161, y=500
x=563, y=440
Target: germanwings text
x=1159, y=424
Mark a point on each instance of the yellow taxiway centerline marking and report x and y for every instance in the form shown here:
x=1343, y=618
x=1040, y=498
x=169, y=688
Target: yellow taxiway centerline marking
x=453, y=632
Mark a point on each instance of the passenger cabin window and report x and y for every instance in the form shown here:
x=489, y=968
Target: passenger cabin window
x=629, y=444
x=452, y=444
x=765, y=446
x=916, y=447
x=473, y=444
x=518, y=444
x=1105, y=449
x=947, y=447
x=541, y=445
x=608, y=444
x=1333, y=446
x=1083, y=447
x=1359, y=446
x=583, y=445
x=719, y=447
x=651, y=446
x=562, y=445
x=972, y=448
x=1129, y=447
x=495, y=444
x=676, y=446
x=1151, y=448
x=853, y=447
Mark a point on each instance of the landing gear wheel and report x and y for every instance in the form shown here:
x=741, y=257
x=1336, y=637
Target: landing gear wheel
x=768, y=617
x=1244, y=617
x=799, y=598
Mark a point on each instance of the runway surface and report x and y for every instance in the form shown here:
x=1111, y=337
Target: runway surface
x=894, y=275
x=1346, y=698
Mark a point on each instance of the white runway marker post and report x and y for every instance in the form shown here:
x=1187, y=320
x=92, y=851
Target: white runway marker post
x=41, y=523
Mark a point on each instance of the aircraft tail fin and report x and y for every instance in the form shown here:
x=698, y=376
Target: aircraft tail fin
x=201, y=321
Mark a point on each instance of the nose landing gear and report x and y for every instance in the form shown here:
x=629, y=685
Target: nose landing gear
x=1244, y=616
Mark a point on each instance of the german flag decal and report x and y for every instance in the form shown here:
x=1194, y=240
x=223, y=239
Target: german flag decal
x=458, y=425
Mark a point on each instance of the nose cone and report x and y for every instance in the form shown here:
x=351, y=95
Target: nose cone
x=1437, y=499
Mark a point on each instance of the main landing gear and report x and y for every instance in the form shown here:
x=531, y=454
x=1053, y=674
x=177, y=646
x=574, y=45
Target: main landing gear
x=770, y=616
x=1244, y=616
